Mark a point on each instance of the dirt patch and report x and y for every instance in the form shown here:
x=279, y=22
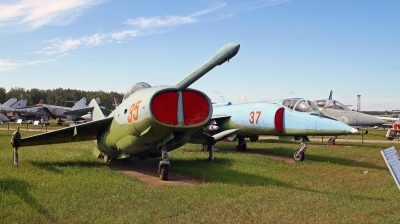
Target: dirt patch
x=149, y=175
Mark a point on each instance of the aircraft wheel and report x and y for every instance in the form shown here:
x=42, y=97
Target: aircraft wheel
x=299, y=157
x=253, y=139
x=164, y=172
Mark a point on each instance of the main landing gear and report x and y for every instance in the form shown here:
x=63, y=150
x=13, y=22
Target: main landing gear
x=299, y=154
x=209, y=149
x=241, y=144
x=163, y=166
x=332, y=141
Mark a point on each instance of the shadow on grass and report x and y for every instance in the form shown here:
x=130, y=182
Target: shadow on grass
x=220, y=171
x=285, y=151
x=20, y=189
x=55, y=166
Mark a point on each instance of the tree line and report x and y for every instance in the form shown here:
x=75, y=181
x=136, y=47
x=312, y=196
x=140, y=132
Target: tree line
x=60, y=96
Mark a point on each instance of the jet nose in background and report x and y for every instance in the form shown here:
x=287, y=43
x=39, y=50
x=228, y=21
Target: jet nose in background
x=368, y=120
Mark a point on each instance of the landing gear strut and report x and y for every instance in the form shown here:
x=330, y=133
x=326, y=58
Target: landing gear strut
x=299, y=154
x=241, y=144
x=163, y=166
x=210, y=152
x=332, y=141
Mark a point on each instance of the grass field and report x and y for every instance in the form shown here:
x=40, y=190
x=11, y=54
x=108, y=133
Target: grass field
x=349, y=183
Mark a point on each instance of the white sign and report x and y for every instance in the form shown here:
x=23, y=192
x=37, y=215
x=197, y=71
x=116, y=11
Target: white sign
x=392, y=160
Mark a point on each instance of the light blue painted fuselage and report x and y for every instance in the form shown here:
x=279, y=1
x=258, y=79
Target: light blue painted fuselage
x=262, y=118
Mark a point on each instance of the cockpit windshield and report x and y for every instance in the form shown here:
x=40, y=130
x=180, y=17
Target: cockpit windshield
x=138, y=86
x=333, y=104
x=299, y=104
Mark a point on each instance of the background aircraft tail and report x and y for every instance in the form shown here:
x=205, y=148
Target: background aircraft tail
x=96, y=113
x=20, y=104
x=80, y=104
x=9, y=102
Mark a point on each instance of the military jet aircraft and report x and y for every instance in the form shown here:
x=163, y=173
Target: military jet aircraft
x=50, y=111
x=11, y=104
x=289, y=117
x=342, y=113
x=149, y=122
x=3, y=118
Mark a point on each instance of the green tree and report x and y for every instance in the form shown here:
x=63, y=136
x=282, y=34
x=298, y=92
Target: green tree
x=3, y=95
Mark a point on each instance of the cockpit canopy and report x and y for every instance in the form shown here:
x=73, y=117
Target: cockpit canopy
x=138, y=86
x=333, y=104
x=299, y=104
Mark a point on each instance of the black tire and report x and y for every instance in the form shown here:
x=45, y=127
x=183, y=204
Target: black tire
x=300, y=157
x=253, y=139
x=164, y=172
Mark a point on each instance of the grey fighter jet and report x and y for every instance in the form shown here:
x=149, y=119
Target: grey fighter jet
x=342, y=113
x=50, y=111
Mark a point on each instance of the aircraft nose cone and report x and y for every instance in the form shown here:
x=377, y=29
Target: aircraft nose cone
x=233, y=49
x=354, y=131
x=368, y=120
x=225, y=53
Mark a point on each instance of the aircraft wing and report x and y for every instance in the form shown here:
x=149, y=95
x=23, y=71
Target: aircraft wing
x=220, y=116
x=81, y=112
x=81, y=132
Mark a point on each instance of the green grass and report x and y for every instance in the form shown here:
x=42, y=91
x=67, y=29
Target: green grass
x=66, y=184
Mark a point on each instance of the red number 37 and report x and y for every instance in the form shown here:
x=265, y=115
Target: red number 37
x=252, y=119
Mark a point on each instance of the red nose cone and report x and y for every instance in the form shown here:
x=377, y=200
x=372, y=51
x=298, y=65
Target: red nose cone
x=195, y=108
x=165, y=107
x=279, y=119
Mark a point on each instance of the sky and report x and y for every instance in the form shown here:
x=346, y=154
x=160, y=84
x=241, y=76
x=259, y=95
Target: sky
x=288, y=48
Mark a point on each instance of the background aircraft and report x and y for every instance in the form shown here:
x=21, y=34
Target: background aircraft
x=11, y=104
x=3, y=118
x=149, y=122
x=289, y=117
x=50, y=111
x=342, y=113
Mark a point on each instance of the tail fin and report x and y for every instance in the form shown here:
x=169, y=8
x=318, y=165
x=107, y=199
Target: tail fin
x=20, y=104
x=80, y=104
x=9, y=102
x=97, y=114
x=330, y=95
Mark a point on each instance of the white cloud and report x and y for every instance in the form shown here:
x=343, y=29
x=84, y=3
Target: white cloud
x=94, y=40
x=243, y=99
x=124, y=34
x=7, y=65
x=59, y=46
x=156, y=22
x=26, y=15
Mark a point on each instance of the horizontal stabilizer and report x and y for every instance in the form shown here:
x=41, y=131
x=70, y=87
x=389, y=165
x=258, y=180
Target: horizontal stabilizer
x=82, y=132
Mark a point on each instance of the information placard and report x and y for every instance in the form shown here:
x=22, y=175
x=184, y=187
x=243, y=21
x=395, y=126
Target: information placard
x=392, y=160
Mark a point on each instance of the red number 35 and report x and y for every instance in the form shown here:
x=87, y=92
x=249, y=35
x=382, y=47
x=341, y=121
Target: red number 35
x=134, y=112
